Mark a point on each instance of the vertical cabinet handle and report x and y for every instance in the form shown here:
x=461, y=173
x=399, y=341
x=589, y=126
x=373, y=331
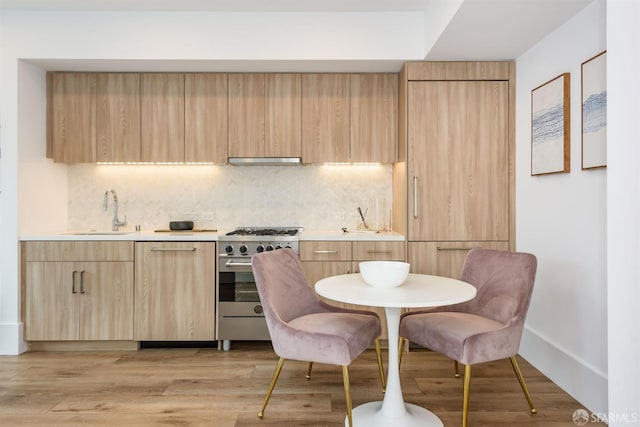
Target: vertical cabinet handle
x=73, y=281
x=82, y=282
x=415, y=197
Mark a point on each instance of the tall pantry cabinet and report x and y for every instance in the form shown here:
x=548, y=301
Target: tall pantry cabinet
x=454, y=181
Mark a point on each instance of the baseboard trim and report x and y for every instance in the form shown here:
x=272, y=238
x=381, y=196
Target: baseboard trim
x=583, y=382
x=83, y=345
x=11, y=339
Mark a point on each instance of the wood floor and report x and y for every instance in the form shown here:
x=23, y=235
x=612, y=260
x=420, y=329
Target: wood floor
x=207, y=387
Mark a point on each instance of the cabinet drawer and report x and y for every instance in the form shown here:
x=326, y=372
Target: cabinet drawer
x=79, y=251
x=325, y=251
x=378, y=251
x=445, y=258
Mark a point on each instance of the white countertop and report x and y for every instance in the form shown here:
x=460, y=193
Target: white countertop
x=204, y=236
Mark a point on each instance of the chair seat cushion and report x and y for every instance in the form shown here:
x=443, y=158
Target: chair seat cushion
x=467, y=338
x=333, y=338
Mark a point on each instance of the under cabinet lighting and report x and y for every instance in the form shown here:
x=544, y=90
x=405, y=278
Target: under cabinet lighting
x=156, y=163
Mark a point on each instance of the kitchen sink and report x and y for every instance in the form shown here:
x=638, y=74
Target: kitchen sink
x=98, y=233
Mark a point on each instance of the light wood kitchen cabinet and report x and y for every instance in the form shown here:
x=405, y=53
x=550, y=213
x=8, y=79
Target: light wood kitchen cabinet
x=445, y=258
x=162, y=117
x=374, y=118
x=174, y=294
x=246, y=115
x=118, y=117
x=283, y=115
x=71, y=117
x=205, y=112
x=265, y=115
x=458, y=160
x=325, y=118
x=79, y=291
x=322, y=259
x=453, y=183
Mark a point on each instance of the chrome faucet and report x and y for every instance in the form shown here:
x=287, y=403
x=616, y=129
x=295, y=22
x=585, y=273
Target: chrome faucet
x=116, y=222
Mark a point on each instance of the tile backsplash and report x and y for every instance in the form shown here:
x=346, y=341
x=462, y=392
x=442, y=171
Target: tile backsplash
x=312, y=196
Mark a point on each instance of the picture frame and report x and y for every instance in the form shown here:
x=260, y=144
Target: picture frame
x=594, y=112
x=550, y=127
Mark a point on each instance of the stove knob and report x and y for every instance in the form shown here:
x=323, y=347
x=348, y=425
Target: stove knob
x=260, y=248
x=278, y=246
x=269, y=248
x=243, y=249
x=229, y=249
x=288, y=246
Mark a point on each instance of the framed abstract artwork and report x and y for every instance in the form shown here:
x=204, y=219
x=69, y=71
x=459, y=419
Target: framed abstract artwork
x=550, y=127
x=594, y=112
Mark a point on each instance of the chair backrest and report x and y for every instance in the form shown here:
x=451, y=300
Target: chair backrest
x=284, y=291
x=504, y=281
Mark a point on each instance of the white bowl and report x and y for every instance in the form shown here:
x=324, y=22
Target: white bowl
x=384, y=274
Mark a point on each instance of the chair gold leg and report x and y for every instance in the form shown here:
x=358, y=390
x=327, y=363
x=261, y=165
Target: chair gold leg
x=347, y=393
x=456, y=369
x=308, y=376
x=465, y=397
x=380, y=367
x=276, y=374
x=516, y=369
x=400, y=348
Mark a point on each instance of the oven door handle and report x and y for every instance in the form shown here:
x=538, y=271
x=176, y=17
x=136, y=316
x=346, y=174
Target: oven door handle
x=237, y=264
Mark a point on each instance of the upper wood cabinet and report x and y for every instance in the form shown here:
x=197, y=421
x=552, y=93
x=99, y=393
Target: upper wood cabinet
x=71, y=134
x=283, y=115
x=118, y=117
x=246, y=115
x=264, y=115
x=162, y=117
x=205, y=117
x=325, y=118
x=374, y=118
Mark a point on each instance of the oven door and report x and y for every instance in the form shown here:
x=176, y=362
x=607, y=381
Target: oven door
x=240, y=315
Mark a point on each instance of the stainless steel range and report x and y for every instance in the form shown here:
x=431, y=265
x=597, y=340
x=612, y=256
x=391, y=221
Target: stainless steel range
x=240, y=315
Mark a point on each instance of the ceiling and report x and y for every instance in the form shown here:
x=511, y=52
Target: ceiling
x=478, y=30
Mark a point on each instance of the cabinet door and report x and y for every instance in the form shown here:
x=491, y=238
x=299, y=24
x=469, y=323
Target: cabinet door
x=51, y=301
x=174, y=292
x=74, y=117
x=374, y=118
x=378, y=251
x=444, y=258
x=325, y=118
x=118, y=117
x=106, y=300
x=246, y=115
x=205, y=138
x=316, y=270
x=283, y=112
x=458, y=160
x=162, y=117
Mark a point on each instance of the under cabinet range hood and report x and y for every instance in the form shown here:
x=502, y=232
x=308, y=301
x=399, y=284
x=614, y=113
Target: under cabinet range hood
x=265, y=161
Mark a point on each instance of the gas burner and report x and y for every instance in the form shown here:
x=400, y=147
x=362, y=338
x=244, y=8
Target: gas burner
x=275, y=231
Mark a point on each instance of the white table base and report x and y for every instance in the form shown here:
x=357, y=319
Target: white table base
x=370, y=415
x=393, y=411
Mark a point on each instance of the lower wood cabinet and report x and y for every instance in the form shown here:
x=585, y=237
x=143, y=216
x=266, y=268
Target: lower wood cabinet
x=77, y=291
x=175, y=290
x=322, y=259
x=445, y=258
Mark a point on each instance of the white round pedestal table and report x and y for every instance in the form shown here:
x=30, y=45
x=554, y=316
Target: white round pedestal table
x=418, y=291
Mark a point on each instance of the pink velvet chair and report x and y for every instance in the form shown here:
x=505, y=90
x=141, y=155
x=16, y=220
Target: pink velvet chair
x=487, y=328
x=304, y=328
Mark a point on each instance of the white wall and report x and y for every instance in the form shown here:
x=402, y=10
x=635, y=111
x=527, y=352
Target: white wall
x=623, y=226
x=561, y=218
